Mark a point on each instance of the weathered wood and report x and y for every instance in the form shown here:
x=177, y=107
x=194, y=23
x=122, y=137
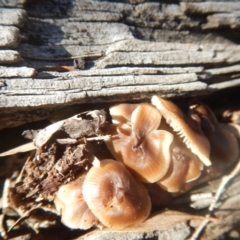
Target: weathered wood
x=201, y=8
x=12, y=3
x=12, y=16
x=11, y=72
x=9, y=57
x=148, y=48
x=10, y=37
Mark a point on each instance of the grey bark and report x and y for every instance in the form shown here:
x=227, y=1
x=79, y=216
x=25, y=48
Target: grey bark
x=174, y=50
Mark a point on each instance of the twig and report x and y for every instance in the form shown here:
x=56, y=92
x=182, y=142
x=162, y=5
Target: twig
x=225, y=180
x=3, y=232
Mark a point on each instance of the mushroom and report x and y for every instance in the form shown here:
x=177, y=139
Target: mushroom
x=114, y=196
x=233, y=128
x=121, y=113
x=185, y=167
x=70, y=204
x=224, y=145
x=158, y=196
x=188, y=129
x=142, y=148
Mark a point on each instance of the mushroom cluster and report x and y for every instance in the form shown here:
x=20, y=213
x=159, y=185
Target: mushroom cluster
x=107, y=195
x=154, y=145
x=224, y=145
x=158, y=143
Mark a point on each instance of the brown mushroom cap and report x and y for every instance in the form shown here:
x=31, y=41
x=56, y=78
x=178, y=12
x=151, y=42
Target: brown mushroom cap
x=185, y=167
x=114, y=196
x=224, y=145
x=158, y=196
x=149, y=161
x=121, y=113
x=232, y=128
x=192, y=135
x=143, y=149
x=144, y=119
x=70, y=204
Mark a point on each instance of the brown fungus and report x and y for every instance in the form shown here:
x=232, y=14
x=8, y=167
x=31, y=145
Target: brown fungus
x=121, y=113
x=143, y=149
x=233, y=128
x=186, y=128
x=224, y=145
x=70, y=204
x=114, y=196
x=185, y=167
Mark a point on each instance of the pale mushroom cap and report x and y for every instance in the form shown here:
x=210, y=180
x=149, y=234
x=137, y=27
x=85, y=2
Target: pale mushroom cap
x=193, y=138
x=121, y=113
x=114, y=196
x=73, y=209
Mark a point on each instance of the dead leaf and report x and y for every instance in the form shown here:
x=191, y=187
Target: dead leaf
x=81, y=125
x=23, y=148
x=45, y=134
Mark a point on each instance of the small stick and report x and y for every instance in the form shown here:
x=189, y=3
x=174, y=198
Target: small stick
x=104, y=138
x=24, y=217
x=225, y=180
x=3, y=232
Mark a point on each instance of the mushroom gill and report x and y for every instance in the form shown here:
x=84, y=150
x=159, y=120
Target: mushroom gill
x=114, y=196
x=224, y=145
x=186, y=128
x=142, y=148
x=70, y=204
